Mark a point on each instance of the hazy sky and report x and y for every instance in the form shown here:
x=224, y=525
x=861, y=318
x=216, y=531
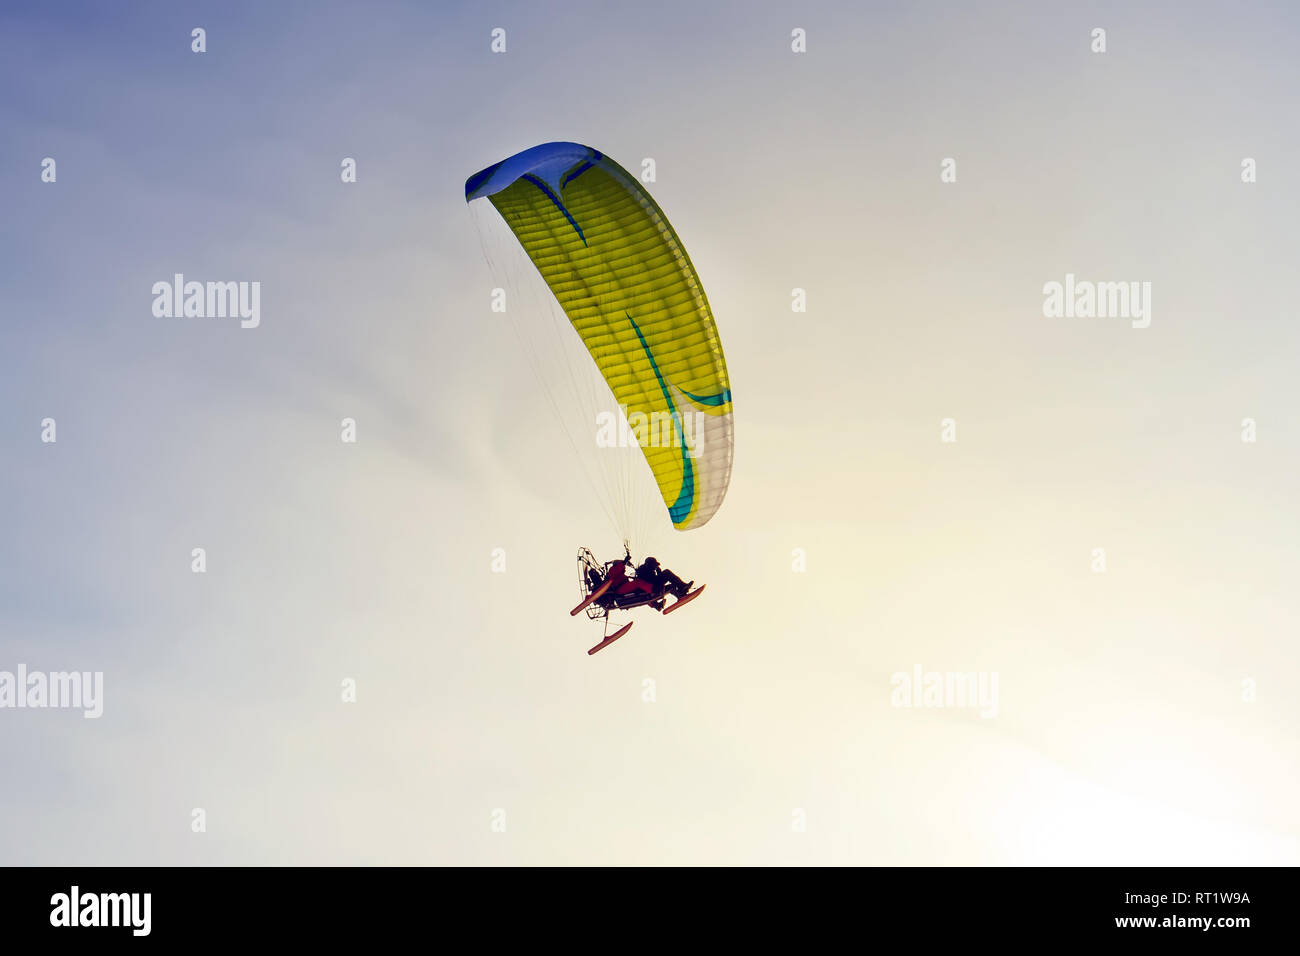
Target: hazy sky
x=1145, y=713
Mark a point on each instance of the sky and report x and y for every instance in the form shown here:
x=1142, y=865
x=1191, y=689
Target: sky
x=1099, y=539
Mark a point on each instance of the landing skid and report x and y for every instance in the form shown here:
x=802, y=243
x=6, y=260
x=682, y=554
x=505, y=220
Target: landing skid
x=612, y=638
x=594, y=596
x=684, y=599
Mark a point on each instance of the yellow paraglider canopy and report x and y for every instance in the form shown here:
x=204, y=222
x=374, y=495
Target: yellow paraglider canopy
x=620, y=273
